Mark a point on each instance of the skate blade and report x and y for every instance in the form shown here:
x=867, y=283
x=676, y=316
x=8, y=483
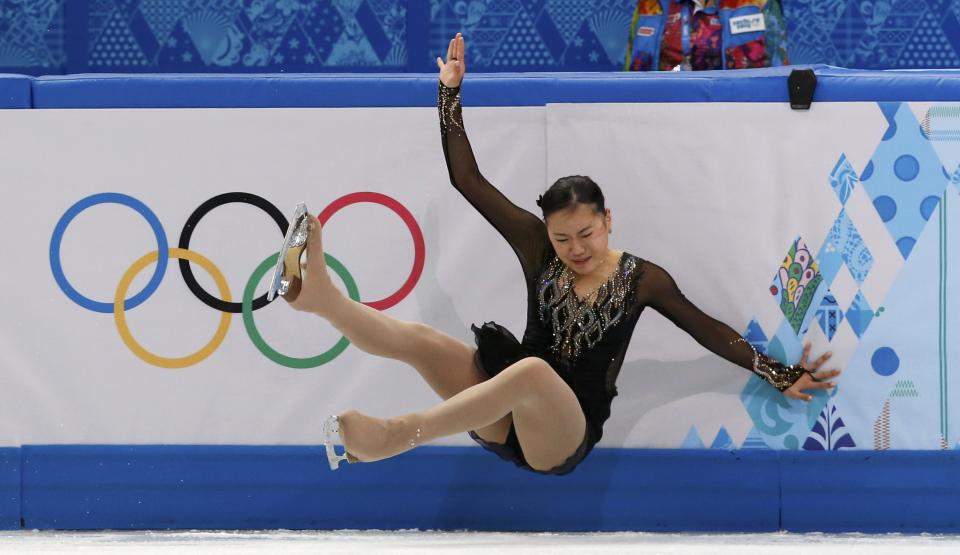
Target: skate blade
x=331, y=438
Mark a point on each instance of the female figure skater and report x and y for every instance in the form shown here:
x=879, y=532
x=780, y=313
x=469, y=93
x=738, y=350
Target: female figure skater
x=541, y=402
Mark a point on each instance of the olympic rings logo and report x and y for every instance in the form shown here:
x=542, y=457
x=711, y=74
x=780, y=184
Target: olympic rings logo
x=224, y=303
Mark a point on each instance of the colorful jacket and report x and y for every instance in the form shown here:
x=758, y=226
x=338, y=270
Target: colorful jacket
x=727, y=34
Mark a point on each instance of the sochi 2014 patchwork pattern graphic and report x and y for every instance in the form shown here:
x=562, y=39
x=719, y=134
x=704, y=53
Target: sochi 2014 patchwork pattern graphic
x=402, y=35
x=32, y=34
x=195, y=35
x=885, y=281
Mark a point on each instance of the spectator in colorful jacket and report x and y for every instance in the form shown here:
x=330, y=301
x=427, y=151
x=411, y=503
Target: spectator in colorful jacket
x=670, y=35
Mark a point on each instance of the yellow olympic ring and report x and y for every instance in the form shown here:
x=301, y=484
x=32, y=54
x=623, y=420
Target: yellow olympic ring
x=121, y=321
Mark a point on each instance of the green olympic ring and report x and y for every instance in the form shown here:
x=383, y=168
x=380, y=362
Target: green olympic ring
x=261, y=344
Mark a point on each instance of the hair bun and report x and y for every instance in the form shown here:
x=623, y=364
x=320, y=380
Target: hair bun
x=540, y=201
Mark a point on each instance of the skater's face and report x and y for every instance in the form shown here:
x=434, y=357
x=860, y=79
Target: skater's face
x=579, y=235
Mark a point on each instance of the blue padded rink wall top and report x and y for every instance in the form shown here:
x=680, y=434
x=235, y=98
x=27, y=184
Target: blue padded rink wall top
x=15, y=91
x=452, y=488
x=499, y=89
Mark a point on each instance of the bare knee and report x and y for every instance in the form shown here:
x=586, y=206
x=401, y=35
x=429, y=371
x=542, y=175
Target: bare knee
x=532, y=374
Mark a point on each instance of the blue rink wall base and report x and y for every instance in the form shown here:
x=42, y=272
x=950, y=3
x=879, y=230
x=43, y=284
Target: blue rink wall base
x=465, y=488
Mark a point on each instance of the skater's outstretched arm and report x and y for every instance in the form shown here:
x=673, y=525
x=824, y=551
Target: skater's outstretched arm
x=525, y=232
x=657, y=289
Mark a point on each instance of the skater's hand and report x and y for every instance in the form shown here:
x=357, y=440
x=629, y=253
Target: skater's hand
x=813, y=378
x=451, y=71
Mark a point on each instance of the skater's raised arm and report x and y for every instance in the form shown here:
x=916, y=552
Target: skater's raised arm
x=525, y=232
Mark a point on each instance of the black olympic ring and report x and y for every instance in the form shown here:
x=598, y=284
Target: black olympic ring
x=190, y=225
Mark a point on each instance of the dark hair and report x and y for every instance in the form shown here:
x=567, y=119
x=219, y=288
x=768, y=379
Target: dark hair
x=569, y=191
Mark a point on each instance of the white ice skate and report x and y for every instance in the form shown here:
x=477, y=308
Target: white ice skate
x=286, y=275
x=331, y=438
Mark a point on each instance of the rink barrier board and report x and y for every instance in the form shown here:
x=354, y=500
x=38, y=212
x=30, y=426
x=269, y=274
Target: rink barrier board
x=871, y=491
x=446, y=488
x=10, y=483
x=122, y=487
x=464, y=488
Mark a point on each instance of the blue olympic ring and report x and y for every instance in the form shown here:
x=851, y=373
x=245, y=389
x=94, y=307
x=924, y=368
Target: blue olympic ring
x=108, y=198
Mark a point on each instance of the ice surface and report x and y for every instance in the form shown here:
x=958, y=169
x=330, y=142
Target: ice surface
x=416, y=542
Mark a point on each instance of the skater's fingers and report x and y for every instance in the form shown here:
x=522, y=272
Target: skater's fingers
x=797, y=395
x=826, y=374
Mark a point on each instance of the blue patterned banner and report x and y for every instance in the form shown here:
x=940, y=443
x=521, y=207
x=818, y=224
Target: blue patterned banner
x=53, y=36
x=31, y=36
x=245, y=35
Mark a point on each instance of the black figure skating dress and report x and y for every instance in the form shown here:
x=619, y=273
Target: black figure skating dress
x=584, y=341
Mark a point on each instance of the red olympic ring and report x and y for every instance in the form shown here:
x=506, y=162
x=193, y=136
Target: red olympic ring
x=419, y=248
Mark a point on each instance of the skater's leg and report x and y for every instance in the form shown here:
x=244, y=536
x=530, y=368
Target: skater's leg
x=546, y=414
x=445, y=363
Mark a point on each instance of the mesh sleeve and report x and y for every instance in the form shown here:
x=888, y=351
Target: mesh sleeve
x=525, y=232
x=657, y=289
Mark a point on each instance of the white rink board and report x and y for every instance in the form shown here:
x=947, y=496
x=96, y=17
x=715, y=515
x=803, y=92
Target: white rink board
x=719, y=216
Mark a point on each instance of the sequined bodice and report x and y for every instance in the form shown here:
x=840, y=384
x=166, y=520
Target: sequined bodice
x=579, y=324
x=584, y=340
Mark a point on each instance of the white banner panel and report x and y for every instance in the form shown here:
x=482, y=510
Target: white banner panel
x=719, y=194
x=66, y=375
x=722, y=195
